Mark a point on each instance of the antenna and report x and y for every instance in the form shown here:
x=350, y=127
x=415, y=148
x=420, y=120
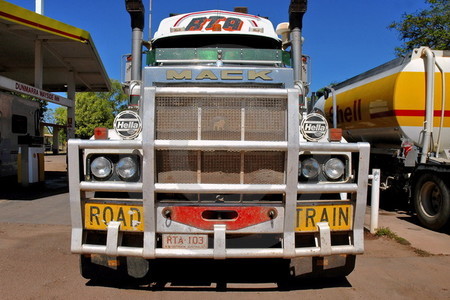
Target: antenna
x=39, y=7
x=150, y=13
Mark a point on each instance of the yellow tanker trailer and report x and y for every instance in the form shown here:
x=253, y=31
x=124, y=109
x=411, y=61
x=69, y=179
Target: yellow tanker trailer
x=403, y=109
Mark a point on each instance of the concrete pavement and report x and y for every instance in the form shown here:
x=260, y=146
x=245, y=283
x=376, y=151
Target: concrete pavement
x=406, y=226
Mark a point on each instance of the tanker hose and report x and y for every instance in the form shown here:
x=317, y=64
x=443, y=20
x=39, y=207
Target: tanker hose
x=429, y=109
x=441, y=123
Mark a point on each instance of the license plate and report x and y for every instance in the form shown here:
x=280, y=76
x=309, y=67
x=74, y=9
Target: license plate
x=185, y=241
x=98, y=215
x=339, y=217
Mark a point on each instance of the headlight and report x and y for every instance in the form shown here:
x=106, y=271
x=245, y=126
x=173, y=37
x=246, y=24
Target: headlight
x=101, y=167
x=334, y=168
x=310, y=168
x=126, y=167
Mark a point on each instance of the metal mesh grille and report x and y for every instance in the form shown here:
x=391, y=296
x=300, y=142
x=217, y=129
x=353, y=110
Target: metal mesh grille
x=240, y=85
x=221, y=118
x=264, y=168
x=221, y=167
x=176, y=166
x=265, y=120
x=257, y=167
x=176, y=119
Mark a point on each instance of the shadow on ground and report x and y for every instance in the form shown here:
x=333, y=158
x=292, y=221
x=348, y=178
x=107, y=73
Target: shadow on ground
x=55, y=183
x=223, y=276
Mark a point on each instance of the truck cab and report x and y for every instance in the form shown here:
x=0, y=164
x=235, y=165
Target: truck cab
x=220, y=158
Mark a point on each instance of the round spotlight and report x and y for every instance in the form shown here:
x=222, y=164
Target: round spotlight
x=101, y=167
x=126, y=168
x=334, y=168
x=310, y=168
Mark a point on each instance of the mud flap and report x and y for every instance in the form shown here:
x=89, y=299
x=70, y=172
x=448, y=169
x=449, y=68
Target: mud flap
x=323, y=267
x=102, y=268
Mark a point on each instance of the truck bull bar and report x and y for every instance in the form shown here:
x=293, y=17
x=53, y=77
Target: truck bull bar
x=148, y=145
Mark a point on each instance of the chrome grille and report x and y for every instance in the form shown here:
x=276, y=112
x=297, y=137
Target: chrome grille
x=220, y=167
x=239, y=85
x=256, y=167
x=264, y=167
x=265, y=120
x=176, y=119
x=176, y=166
x=220, y=118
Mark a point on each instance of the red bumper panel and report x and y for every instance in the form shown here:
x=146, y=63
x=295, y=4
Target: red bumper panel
x=235, y=217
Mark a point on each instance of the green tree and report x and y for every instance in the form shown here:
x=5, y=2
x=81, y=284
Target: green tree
x=429, y=27
x=94, y=109
x=60, y=117
x=117, y=98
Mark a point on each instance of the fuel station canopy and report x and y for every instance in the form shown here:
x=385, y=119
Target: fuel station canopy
x=67, y=53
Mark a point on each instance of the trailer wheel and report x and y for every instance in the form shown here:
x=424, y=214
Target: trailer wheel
x=432, y=201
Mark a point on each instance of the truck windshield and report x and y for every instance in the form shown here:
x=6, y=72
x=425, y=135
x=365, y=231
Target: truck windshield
x=231, y=49
x=220, y=41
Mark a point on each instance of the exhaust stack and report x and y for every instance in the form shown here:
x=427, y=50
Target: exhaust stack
x=297, y=10
x=136, y=10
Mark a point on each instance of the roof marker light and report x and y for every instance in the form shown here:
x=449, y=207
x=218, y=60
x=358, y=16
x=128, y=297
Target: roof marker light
x=177, y=29
x=256, y=29
x=217, y=27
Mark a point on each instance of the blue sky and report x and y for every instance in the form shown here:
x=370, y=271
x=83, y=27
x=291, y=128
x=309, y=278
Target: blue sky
x=343, y=37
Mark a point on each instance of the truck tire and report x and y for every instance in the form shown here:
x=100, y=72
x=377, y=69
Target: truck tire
x=129, y=271
x=99, y=272
x=431, y=200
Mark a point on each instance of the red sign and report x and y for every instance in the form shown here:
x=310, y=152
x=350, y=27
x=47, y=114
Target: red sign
x=228, y=24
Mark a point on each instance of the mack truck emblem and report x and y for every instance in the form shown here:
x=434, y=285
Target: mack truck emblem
x=218, y=75
x=314, y=127
x=219, y=124
x=128, y=124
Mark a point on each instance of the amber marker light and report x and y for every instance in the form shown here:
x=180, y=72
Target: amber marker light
x=101, y=133
x=335, y=134
x=217, y=27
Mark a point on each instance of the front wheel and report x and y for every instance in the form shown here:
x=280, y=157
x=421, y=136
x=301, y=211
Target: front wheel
x=431, y=199
x=115, y=270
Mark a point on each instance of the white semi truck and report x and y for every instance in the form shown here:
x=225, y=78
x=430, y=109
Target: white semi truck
x=216, y=158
